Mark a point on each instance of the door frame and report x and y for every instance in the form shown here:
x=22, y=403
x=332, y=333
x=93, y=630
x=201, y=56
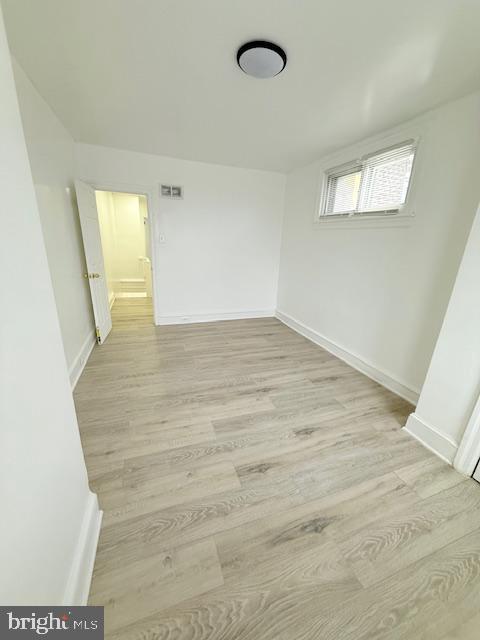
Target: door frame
x=468, y=453
x=149, y=193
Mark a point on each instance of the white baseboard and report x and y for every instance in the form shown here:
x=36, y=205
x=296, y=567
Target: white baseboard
x=78, y=585
x=440, y=444
x=75, y=370
x=375, y=373
x=215, y=317
x=131, y=294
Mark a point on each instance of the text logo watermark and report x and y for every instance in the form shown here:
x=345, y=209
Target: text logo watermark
x=22, y=623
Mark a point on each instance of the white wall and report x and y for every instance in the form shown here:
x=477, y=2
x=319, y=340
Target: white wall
x=130, y=236
x=51, y=153
x=220, y=253
x=377, y=291
x=44, y=495
x=452, y=385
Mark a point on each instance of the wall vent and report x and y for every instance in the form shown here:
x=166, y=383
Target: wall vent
x=171, y=191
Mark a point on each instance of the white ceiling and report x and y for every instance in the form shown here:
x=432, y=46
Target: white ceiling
x=160, y=76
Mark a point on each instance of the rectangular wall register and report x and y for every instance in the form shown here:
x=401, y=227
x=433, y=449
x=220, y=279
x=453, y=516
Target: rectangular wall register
x=170, y=191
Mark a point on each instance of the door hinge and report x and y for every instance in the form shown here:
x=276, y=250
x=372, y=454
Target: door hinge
x=97, y=333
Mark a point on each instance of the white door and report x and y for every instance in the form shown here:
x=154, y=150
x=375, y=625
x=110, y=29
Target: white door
x=92, y=243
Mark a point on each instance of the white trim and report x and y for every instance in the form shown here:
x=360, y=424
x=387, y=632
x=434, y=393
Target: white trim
x=367, y=220
x=80, y=578
x=468, y=453
x=214, y=317
x=440, y=444
x=384, y=378
x=111, y=299
x=78, y=365
x=131, y=294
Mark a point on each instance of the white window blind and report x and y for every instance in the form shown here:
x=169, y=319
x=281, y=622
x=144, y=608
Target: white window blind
x=377, y=183
x=343, y=190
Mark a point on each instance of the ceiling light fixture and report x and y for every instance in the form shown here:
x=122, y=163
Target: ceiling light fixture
x=261, y=59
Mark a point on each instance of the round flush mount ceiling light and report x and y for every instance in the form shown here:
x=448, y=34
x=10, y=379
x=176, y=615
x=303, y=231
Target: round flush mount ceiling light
x=261, y=59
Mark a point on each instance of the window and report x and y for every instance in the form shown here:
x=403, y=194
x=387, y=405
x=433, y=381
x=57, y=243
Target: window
x=376, y=184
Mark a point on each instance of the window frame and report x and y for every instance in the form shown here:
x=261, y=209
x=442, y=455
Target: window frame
x=357, y=163
x=346, y=169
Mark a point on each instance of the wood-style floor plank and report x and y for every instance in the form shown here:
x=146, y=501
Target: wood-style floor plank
x=135, y=590
x=255, y=487
x=137, y=498
x=429, y=477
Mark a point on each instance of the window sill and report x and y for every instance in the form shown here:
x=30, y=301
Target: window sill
x=367, y=221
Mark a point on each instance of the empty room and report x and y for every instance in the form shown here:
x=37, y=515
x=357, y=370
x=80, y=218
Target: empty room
x=240, y=329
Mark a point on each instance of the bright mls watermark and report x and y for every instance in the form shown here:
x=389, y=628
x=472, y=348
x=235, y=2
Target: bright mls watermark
x=60, y=622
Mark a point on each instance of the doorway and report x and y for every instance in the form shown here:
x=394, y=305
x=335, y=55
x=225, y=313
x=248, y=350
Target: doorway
x=125, y=236
x=117, y=242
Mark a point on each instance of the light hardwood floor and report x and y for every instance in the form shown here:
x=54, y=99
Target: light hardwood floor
x=257, y=488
